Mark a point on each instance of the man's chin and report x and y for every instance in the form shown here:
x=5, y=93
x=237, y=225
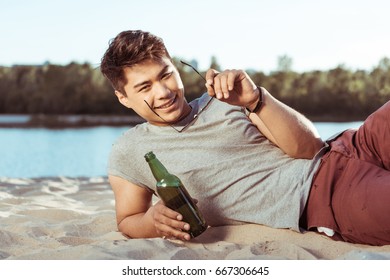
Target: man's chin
x=165, y=120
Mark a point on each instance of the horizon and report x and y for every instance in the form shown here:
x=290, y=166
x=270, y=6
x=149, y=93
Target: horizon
x=194, y=62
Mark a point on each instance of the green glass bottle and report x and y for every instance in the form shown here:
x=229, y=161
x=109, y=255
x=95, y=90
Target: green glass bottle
x=173, y=193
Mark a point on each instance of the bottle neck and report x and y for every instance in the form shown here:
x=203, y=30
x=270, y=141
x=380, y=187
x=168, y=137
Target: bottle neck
x=158, y=169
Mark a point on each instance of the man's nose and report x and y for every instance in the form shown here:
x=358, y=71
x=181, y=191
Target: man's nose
x=161, y=91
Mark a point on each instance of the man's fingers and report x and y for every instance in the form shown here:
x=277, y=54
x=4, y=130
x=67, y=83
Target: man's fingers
x=217, y=87
x=169, y=223
x=221, y=84
x=210, y=90
x=163, y=210
x=224, y=86
x=170, y=232
x=210, y=74
x=230, y=80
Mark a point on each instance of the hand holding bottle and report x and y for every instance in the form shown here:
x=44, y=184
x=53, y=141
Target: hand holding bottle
x=168, y=223
x=175, y=196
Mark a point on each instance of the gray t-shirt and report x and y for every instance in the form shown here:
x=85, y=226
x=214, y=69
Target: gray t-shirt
x=223, y=160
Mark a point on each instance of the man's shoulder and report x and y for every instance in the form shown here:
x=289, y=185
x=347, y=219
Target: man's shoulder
x=126, y=147
x=131, y=135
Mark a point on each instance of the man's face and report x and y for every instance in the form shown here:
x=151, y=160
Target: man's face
x=159, y=84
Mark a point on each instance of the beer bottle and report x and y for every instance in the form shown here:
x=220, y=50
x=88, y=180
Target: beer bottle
x=173, y=193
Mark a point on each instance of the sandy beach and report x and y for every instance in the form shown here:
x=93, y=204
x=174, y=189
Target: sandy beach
x=74, y=219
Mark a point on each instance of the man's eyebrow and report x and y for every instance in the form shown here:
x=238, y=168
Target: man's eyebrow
x=141, y=84
x=148, y=82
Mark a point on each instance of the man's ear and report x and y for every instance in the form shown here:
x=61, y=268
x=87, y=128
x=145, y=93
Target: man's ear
x=122, y=99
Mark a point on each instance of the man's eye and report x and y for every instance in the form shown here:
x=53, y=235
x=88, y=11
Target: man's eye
x=144, y=88
x=167, y=75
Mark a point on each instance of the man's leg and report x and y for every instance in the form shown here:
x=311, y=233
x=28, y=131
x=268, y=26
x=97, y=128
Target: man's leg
x=361, y=203
x=361, y=197
x=351, y=191
x=372, y=139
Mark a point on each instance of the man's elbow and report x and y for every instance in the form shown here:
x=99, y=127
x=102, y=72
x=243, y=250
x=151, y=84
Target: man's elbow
x=307, y=150
x=121, y=228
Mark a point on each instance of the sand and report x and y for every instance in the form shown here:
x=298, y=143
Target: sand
x=74, y=219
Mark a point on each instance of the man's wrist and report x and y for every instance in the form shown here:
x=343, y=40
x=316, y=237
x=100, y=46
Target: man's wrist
x=259, y=104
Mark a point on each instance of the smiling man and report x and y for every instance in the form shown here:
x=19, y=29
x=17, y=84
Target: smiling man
x=168, y=105
x=246, y=157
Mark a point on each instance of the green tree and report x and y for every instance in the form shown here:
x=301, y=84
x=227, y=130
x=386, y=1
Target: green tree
x=337, y=94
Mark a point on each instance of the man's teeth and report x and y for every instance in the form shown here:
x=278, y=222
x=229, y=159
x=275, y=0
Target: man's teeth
x=167, y=105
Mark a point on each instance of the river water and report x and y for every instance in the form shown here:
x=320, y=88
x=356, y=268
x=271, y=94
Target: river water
x=75, y=152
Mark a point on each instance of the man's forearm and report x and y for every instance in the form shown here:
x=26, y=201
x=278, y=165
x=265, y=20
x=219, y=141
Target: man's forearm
x=291, y=131
x=138, y=226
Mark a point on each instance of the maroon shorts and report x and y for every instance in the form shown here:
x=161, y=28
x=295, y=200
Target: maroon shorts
x=351, y=190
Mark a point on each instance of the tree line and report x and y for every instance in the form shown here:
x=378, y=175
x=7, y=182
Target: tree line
x=338, y=94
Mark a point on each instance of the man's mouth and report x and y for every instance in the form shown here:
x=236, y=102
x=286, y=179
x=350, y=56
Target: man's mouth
x=166, y=105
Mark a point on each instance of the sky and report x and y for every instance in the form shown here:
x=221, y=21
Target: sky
x=241, y=34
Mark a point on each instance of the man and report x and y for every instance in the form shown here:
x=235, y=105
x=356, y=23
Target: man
x=243, y=154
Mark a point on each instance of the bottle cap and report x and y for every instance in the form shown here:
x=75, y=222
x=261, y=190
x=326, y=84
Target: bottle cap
x=149, y=156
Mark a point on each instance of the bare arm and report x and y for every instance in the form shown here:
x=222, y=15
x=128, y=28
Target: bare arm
x=285, y=127
x=138, y=218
